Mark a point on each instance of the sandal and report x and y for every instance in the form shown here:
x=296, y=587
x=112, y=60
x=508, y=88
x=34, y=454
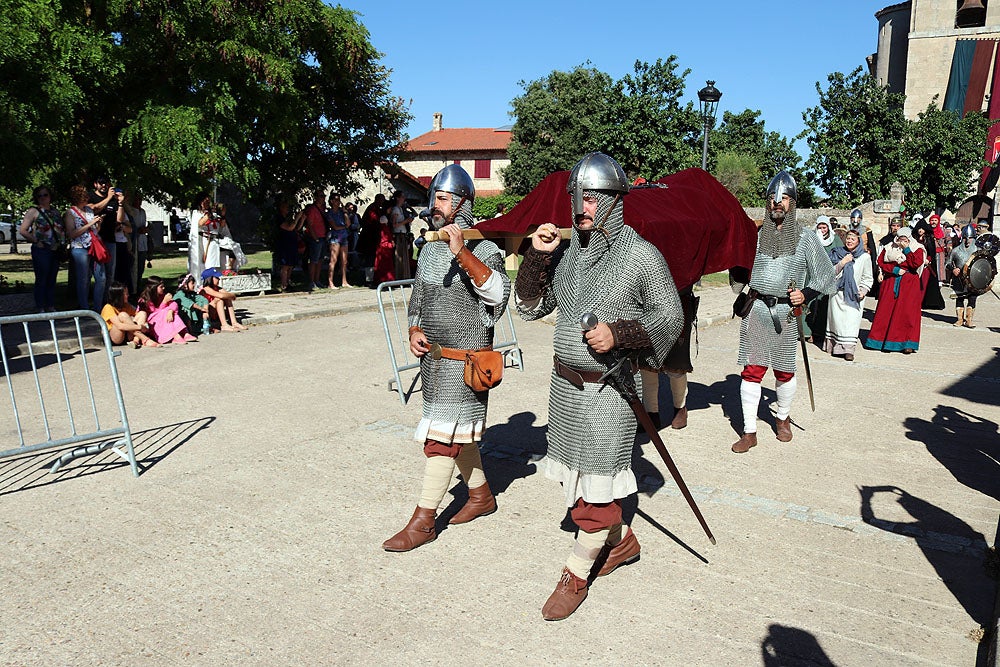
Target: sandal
x=149, y=342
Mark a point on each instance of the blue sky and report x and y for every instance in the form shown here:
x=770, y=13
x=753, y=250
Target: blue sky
x=466, y=59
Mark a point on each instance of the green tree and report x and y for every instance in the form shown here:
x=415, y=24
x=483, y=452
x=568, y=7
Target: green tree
x=739, y=173
x=646, y=128
x=558, y=120
x=855, y=136
x=638, y=120
x=743, y=134
x=267, y=95
x=943, y=157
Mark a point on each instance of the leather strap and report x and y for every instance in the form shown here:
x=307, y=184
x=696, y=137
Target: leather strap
x=771, y=302
x=459, y=355
x=575, y=376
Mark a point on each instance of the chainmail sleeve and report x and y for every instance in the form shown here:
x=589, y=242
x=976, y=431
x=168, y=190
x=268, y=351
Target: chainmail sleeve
x=416, y=301
x=662, y=318
x=821, y=276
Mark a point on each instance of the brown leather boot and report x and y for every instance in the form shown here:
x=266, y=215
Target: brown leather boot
x=480, y=503
x=783, y=428
x=569, y=594
x=960, y=315
x=623, y=553
x=419, y=531
x=743, y=445
x=680, y=418
x=969, y=312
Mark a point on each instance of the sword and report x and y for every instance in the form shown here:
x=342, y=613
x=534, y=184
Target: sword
x=613, y=376
x=796, y=312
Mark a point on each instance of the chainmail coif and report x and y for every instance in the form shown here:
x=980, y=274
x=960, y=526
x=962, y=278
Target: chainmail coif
x=779, y=243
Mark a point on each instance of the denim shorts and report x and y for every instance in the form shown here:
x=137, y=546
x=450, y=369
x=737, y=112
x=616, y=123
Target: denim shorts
x=338, y=236
x=315, y=249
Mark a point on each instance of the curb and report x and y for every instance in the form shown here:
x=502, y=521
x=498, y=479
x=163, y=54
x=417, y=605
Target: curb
x=310, y=313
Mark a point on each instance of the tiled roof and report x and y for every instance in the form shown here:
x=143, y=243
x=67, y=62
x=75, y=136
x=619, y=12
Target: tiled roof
x=451, y=140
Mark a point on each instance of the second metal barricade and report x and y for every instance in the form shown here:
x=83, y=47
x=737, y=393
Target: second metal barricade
x=393, y=304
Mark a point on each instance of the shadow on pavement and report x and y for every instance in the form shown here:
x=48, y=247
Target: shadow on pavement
x=979, y=386
x=967, y=445
x=786, y=646
x=953, y=548
x=503, y=462
x=151, y=446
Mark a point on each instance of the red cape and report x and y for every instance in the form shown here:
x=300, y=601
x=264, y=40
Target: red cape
x=698, y=225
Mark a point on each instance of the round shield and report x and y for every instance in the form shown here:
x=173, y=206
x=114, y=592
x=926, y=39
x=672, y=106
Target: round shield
x=989, y=243
x=979, y=272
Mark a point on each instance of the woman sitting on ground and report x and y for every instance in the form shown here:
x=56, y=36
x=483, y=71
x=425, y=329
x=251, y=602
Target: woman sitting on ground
x=162, y=313
x=221, y=302
x=124, y=324
x=193, y=307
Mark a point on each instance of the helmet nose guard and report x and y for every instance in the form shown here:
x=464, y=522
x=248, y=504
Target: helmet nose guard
x=595, y=171
x=782, y=184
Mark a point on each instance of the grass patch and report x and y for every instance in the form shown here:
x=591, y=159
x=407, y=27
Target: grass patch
x=17, y=275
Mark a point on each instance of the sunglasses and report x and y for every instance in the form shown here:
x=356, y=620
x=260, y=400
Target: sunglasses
x=44, y=194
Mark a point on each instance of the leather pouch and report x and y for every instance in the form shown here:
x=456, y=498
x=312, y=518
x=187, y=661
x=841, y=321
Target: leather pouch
x=483, y=369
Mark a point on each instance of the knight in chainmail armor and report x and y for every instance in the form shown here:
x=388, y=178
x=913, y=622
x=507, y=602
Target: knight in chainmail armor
x=790, y=268
x=460, y=291
x=607, y=270
x=965, y=301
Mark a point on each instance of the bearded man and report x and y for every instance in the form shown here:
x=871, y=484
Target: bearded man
x=460, y=291
x=790, y=268
x=622, y=283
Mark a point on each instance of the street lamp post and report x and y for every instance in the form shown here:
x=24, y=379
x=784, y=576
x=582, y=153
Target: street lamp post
x=709, y=97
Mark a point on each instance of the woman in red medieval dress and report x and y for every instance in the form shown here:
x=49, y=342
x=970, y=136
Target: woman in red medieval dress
x=896, y=327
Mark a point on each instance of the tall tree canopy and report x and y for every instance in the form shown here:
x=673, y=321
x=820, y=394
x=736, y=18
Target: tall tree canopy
x=745, y=155
x=170, y=96
x=638, y=120
x=855, y=136
x=942, y=158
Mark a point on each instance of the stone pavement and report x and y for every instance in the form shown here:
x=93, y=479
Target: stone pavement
x=276, y=462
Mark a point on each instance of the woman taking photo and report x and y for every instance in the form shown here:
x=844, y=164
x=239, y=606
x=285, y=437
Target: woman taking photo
x=79, y=223
x=42, y=228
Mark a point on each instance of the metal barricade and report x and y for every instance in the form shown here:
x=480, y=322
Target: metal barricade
x=393, y=296
x=60, y=425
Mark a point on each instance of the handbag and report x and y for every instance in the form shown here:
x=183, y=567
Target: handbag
x=98, y=250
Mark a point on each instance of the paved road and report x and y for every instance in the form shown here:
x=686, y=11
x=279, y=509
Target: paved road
x=276, y=462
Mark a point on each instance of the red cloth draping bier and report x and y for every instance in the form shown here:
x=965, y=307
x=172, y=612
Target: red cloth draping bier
x=698, y=225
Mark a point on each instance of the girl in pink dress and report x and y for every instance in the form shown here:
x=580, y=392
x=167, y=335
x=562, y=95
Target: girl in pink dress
x=162, y=313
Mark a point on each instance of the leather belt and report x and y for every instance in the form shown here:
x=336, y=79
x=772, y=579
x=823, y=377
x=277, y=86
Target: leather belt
x=575, y=376
x=772, y=301
x=441, y=352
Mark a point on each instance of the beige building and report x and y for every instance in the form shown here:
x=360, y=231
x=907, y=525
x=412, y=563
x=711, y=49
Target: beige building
x=481, y=151
x=917, y=42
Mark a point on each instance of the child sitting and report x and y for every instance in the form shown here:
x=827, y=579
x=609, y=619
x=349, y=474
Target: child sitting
x=193, y=307
x=124, y=325
x=220, y=301
x=162, y=313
